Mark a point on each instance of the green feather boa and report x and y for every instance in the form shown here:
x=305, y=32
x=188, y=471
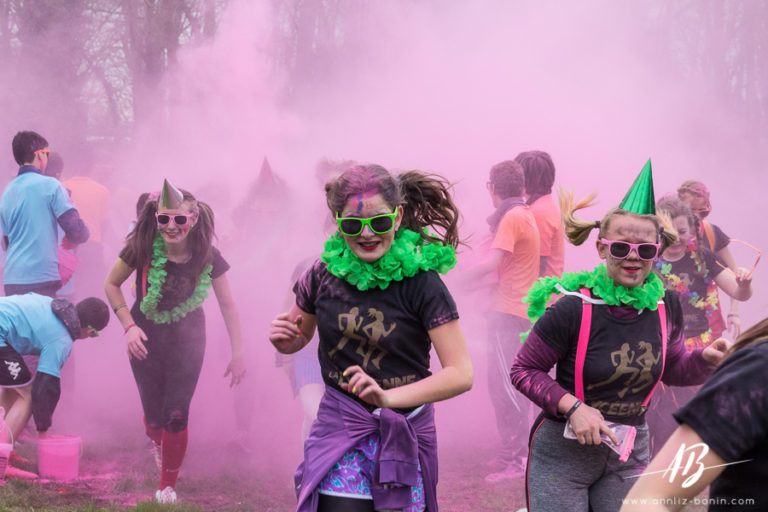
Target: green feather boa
x=639, y=297
x=408, y=255
x=156, y=279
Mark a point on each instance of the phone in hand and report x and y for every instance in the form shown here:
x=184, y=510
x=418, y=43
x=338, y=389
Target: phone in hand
x=624, y=433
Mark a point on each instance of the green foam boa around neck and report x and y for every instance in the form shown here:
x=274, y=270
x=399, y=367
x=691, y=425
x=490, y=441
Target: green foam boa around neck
x=409, y=254
x=156, y=279
x=645, y=296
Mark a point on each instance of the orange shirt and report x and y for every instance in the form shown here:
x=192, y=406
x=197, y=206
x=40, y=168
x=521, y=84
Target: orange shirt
x=518, y=237
x=551, y=234
x=92, y=201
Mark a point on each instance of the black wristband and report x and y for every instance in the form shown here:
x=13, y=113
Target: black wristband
x=572, y=409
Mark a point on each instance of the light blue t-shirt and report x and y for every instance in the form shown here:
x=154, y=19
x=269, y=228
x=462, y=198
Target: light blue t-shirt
x=29, y=208
x=28, y=324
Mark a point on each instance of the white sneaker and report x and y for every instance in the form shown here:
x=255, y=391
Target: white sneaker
x=167, y=495
x=157, y=454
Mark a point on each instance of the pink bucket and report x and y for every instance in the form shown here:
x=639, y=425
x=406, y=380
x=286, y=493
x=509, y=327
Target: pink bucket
x=5, y=452
x=58, y=456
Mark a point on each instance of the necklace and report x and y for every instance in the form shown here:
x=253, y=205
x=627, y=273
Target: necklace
x=672, y=281
x=156, y=279
x=645, y=296
x=408, y=255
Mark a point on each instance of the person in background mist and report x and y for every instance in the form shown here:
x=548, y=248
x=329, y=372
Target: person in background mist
x=34, y=324
x=608, y=368
x=31, y=207
x=379, y=305
x=514, y=259
x=696, y=274
x=696, y=195
x=539, y=178
x=725, y=428
x=93, y=202
x=170, y=249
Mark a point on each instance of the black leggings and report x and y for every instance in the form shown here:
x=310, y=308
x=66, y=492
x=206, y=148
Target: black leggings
x=167, y=378
x=338, y=504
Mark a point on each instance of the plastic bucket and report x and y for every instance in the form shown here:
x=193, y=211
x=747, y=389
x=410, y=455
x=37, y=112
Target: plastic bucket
x=58, y=456
x=5, y=452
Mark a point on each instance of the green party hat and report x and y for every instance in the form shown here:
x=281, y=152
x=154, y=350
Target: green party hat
x=640, y=198
x=170, y=196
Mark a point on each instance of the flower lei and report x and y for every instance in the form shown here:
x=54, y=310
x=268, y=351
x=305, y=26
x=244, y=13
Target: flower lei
x=156, y=279
x=645, y=296
x=408, y=255
x=673, y=282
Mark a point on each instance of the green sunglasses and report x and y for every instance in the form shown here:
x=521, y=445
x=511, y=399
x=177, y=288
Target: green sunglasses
x=379, y=224
x=95, y=333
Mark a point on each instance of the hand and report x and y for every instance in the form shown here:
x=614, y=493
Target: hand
x=742, y=276
x=135, y=339
x=734, y=325
x=364, y=387
x=236, y=368
x=715, y=351
x=284, y=330
x=587, y=423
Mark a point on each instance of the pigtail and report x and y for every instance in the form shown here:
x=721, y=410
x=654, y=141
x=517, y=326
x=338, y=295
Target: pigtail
x=576, y=230
x=138, y=243
x=667, y=232
x=201, y=237
x=427, y=203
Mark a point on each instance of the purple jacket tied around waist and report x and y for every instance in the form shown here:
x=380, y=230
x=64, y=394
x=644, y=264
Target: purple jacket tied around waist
x=405, y=443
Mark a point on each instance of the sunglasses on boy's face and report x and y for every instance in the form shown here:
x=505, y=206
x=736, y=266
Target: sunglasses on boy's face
x=379, y=224
x=621, y=250
x=47, y=152
x=179, y=219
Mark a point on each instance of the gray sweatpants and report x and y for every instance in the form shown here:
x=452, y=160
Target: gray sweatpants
x=565, y=475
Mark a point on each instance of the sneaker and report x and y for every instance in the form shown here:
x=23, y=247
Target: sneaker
x=157, y=454
x=167, y=495
x=20, y=462
x=496, y=464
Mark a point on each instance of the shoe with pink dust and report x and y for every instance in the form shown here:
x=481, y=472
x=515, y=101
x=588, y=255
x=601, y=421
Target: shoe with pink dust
x=167, y=495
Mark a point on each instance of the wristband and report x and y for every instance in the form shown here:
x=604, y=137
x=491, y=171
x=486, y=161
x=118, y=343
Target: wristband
x=119, y=307
x=733, y=314
x=573, y=408
x=132, y=324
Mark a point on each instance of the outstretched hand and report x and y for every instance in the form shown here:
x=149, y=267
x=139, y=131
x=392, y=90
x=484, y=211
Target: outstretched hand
x=364, y=387
x=236, y=368
x=284, y=331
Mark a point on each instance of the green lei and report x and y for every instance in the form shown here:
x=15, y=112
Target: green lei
x=156, y=278
x=639, y=297
x=408, y=255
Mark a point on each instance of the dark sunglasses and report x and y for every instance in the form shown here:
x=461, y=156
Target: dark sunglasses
x=179, y=219
x=379, y=224
x=621, y=250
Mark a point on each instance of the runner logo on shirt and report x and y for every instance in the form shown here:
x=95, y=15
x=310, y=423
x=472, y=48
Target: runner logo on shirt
x=13, y=368
x=637, y=366
x=367, y=336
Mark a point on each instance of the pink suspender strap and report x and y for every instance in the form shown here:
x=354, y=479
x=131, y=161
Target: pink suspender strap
x=581, y=348
x=144, y=273
x=663, y=321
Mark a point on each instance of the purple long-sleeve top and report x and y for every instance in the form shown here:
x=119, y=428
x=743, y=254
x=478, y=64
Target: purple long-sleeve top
x=405, y=443
x=616, y=347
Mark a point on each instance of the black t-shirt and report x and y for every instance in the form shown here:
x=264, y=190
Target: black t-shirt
x=681, y=276
x=721, y=239
x=180, y=281
x=730, y=414
x=623, y=359
x=383, y=331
